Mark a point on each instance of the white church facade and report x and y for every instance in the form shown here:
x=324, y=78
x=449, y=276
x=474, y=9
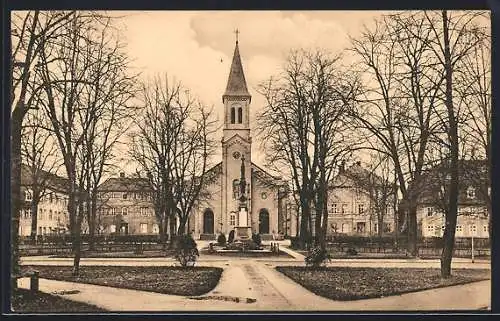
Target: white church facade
x=265, y=194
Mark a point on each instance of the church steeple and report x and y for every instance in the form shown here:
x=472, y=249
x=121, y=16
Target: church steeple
x=236, y=83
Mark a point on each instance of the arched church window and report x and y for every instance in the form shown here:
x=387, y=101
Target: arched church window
x=233, y=116
x=236, y=187
x=240, y=115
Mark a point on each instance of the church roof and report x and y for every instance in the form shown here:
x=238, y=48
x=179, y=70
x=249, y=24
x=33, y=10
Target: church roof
x=236, y=83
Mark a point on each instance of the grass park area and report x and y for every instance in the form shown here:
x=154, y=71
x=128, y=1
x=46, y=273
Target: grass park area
x=161, y=279
x=353, y=283
x=24, y=301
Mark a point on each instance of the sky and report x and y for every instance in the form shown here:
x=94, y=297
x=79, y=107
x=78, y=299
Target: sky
x=196, y=48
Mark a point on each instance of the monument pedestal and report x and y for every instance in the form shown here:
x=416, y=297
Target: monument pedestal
x=243, y=231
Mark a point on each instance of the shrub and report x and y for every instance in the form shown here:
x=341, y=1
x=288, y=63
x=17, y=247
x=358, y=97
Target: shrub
x=231, y=236
x=351, y=251
x=186, y=250
x=317, y=256
x=221, y=239
x=256, y=238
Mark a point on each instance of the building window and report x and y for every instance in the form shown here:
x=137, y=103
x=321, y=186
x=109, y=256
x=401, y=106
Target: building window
x=112, y=228
x=40, y=230
x=361, y=208
x=485, y=228
x=345, y=228
x=429, y=211
x=430, y=228
x=240, y=115
x=344, y=208
x=144, y=211
x=333, y=208
x=375, y=227
x=360, y=227
x=124, y=196
x=50, y=214
x=232, y=219
x=124, y=210
x=459, y=228
x=155, y=228
x=27, y=195
x=387, y=227
x=144, y=228
x=473, y=229
x=233, y=115
x=471, y=192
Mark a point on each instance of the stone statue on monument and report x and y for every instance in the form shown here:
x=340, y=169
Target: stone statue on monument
x=243, y=182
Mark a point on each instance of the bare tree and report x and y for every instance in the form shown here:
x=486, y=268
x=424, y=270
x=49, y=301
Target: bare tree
x=454, y=37
x=108, y=97
x=154, y=135
x=396, y=111
x=41, y=161
x=78, y=101
x=304, y=130
x=30, y=30
x=193, y=149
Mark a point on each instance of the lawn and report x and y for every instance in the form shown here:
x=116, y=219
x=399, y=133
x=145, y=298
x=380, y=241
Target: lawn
x=162, y=279
x=354, y=283
x=23, y=301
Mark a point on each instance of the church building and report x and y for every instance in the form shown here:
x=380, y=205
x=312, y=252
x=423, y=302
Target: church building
x=265, y=194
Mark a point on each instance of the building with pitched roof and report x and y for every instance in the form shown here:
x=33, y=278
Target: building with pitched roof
x=52, y=212
x=473, y=200
x=125, y=206
x=360, y=203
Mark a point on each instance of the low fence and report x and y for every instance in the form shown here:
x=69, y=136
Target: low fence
x=98, y=239
x=426, y=247
x=54, y=249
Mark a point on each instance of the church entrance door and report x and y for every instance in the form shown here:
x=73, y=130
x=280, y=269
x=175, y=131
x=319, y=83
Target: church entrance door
x=208, y=222
x=263, y=221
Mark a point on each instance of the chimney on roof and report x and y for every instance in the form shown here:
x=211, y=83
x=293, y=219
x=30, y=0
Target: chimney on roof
x=122, y=174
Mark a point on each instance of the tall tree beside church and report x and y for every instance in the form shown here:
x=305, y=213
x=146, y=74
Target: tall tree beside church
x=81, y=100
x=304, y=130
x=30, y=30
x=172, y=143
x=193, y=149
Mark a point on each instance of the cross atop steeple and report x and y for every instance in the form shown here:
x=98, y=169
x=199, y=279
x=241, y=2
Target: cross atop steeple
x=236, y=32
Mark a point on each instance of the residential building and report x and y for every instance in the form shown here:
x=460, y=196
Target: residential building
x=360, y=203
x=473, y=198
x=125, y=206
x=52, y=212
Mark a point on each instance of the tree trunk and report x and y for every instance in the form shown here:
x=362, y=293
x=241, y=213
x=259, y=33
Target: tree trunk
x=15, y=184
x=452, y=210
x=34, y=216
x=412, y=230
x=171, y=227
x=92, y=220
